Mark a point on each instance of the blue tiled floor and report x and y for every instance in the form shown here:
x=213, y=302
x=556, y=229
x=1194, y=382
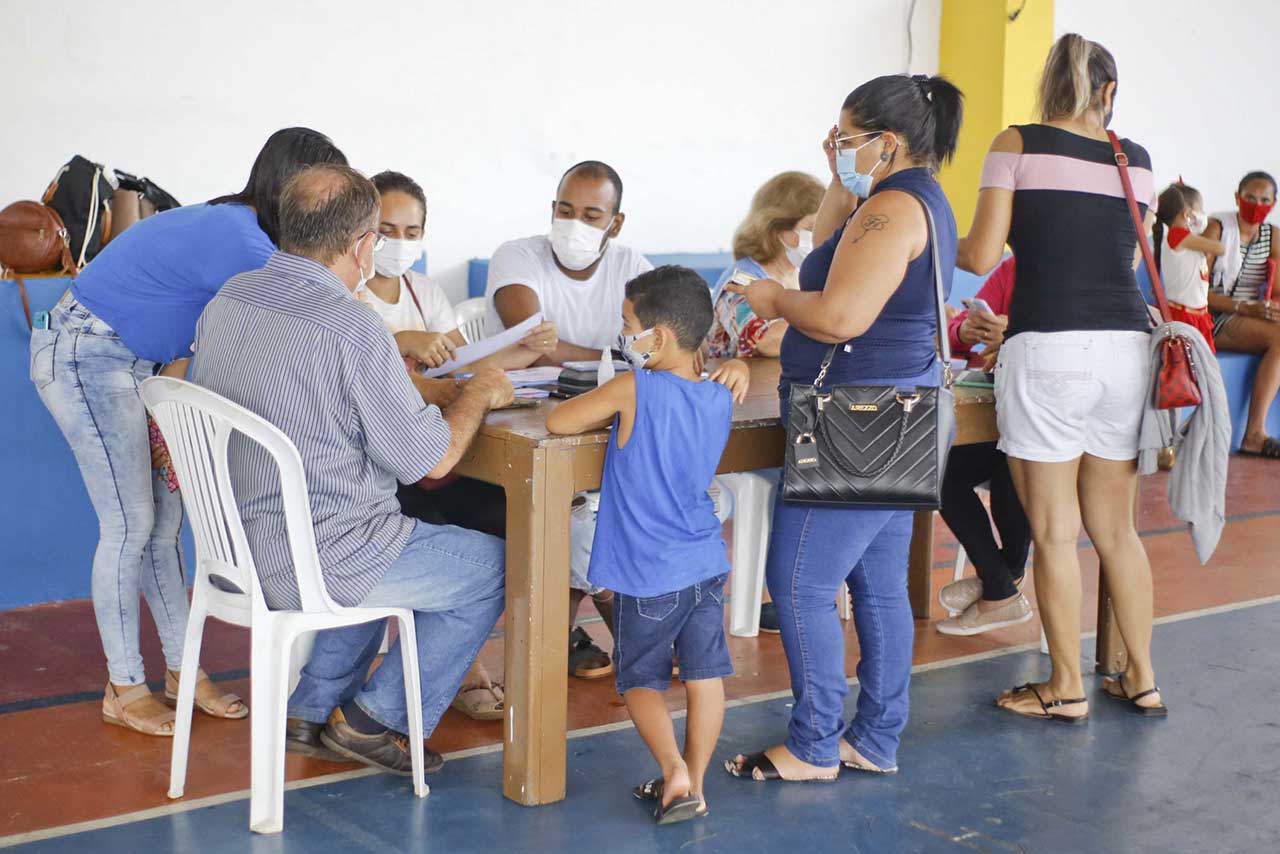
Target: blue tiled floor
x=1206, y=779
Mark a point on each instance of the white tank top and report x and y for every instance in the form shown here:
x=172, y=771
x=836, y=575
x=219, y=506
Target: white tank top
x=1184, y=272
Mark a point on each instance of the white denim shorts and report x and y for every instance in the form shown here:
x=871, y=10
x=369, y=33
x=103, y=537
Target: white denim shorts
x=1060, y=395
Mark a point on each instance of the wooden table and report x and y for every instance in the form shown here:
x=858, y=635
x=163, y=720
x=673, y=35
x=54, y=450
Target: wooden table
x=541, y=473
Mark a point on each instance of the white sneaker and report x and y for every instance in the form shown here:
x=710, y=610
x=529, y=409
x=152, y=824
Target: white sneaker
x=975, y=621
x=958, y=595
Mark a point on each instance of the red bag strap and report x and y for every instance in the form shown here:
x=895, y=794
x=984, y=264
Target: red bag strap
x=1122, y=163
x=418, y=305
x=1271, y=277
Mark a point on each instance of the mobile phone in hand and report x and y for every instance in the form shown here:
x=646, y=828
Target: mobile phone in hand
x=977, y=304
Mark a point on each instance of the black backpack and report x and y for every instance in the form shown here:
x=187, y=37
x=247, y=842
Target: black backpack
x=81, y=194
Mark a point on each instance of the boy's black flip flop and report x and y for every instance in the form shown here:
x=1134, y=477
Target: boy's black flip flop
x=649, y=790
x=680, y=809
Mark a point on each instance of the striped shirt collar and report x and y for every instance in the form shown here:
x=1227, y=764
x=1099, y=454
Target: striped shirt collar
x=307, y=270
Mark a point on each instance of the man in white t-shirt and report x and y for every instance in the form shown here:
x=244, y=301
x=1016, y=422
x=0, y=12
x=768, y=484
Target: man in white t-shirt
x=575, y=275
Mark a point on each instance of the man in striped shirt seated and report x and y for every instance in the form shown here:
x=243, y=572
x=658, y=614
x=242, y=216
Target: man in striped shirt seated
x=290, y=343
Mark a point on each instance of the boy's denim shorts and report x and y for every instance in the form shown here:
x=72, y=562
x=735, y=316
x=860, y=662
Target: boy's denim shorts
x=645, y=630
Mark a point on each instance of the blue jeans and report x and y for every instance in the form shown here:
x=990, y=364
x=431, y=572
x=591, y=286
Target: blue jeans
x=690, y=621
x=88, y=380
x=455, y=582
x=812, y=550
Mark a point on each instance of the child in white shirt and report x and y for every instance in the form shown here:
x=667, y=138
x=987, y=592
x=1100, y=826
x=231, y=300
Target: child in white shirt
x=1182, y=256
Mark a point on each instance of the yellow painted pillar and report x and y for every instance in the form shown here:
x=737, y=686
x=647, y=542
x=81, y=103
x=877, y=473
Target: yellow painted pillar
x=994, y=50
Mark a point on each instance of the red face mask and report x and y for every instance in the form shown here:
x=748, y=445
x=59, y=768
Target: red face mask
x=1252, y=212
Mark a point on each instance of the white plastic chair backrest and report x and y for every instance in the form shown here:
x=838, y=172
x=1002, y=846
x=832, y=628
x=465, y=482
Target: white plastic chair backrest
x=470, y=315
x=197, y=426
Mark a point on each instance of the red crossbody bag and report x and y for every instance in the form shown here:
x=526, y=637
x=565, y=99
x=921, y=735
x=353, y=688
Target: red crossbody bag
x=1176, y=386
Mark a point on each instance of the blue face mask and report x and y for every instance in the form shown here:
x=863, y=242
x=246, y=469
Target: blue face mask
x=858, y=183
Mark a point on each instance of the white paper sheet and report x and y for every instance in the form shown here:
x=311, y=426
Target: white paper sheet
x=469, y=353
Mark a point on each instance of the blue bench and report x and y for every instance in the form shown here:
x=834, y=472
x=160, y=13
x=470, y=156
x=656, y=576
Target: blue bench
x=1238, y=371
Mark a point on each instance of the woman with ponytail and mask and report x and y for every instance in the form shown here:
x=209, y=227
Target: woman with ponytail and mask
x=413, y=306
x=771, y=243
x=408, y=302
x=868, y=285
x=1073, y=375
x=1246, y=313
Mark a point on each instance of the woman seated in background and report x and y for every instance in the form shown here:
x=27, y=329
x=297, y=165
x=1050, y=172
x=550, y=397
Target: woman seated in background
x=992, y=600
x=770, y=243
x=409, y=302
x=412, y=305
x=1245, y=317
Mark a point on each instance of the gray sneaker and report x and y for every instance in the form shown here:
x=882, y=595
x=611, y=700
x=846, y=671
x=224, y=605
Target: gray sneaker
x=975, y=621
x=958, y=595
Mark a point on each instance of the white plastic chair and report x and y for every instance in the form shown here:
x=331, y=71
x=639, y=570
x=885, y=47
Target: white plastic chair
x=197, y=425
x=470, y=315
x=752, y=510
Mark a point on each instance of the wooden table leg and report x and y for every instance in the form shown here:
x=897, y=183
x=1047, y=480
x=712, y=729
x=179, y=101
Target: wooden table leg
x=536, y=627
x=1111, y=655
x=920, y=565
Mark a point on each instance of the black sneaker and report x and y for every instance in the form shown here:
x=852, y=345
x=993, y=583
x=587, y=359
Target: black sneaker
x=387, y=750
x=303, y=737
x=769, y=619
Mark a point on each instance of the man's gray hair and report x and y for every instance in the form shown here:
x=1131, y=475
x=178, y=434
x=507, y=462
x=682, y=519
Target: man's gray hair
x=323, y=209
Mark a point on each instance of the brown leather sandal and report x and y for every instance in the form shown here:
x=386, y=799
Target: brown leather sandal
x=480, y=702
x=135, y=708
x=209, y=699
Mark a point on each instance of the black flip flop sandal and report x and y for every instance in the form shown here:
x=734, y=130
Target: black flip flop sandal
x=680, y=809
x=1270, y=450
x=768, y=770
x=1048, y=715
x=649, y=790
x=583, y=649
x=1160, y=711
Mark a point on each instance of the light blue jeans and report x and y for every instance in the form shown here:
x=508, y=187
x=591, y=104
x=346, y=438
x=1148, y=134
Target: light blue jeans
x=455, y=582
x=88, y=380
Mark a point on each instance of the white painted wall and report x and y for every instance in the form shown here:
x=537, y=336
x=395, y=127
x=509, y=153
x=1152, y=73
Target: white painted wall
x=1198, y=84
x=695, y=103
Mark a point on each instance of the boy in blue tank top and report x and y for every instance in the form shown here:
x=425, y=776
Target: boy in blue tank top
x=658, y=543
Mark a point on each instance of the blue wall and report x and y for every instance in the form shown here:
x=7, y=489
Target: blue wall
x=48, y=527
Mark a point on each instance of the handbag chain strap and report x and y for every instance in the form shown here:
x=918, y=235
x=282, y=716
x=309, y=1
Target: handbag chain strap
x=944, y=344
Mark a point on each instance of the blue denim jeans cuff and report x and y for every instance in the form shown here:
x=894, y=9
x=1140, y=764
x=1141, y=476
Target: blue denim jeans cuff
x=860, y=744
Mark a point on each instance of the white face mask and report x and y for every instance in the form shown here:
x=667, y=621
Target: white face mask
x=1197, y=222
x=360, y=268
x=797, y=254
x=627, y=344
x=396, y=257
x=576, y=244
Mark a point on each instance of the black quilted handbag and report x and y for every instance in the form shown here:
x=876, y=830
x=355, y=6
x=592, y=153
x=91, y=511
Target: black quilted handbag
x=880, y=446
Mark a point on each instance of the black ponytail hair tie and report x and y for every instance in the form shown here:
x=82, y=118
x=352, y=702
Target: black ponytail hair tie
x=922, y=81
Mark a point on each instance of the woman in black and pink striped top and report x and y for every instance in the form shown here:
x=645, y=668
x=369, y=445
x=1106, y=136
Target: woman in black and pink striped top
x=1072, y=374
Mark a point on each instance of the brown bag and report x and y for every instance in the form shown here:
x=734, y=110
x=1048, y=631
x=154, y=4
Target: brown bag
x=32, y=240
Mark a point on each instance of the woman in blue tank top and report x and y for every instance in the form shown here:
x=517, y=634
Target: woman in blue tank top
x=868, y=285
